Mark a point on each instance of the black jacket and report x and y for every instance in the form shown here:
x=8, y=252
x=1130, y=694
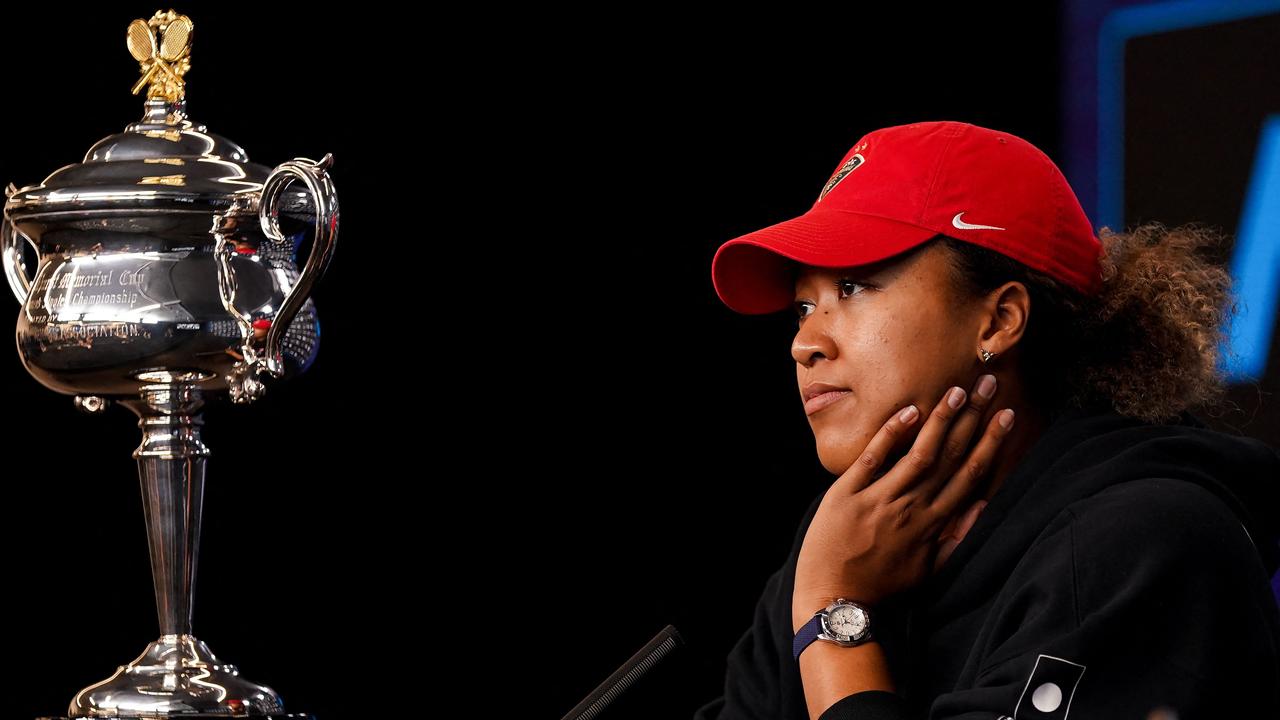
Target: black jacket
x=1120, y=568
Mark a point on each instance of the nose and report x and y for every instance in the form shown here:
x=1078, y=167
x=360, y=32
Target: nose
x=813, y=338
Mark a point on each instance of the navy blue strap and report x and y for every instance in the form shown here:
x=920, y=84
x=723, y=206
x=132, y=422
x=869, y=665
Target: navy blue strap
x=807, y=634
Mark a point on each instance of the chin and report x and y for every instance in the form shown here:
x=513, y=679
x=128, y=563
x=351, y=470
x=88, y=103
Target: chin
x=836, y=469
x=837, y=451
x=837, y=458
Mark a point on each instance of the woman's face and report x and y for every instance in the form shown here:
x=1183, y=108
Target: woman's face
x=893, y=333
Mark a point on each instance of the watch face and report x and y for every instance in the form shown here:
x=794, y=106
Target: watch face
x=847, y=621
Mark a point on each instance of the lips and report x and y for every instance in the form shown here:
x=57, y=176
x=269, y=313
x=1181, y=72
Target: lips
x=822, y=400
x=818, y=395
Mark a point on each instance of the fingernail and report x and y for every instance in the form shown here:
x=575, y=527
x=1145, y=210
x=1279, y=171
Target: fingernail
x=1006, y=419
x=987, y=385
x=908, y=414
x=956, y=397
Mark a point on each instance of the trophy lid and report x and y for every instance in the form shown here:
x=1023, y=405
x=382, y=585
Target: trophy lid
x=163, y=162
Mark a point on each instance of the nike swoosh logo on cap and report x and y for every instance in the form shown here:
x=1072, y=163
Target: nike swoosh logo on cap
x=956, y=221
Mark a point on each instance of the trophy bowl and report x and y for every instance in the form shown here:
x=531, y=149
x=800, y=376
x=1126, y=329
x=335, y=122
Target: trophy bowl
x=167, y=269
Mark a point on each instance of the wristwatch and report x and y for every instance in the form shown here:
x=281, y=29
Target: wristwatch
x=843, y=622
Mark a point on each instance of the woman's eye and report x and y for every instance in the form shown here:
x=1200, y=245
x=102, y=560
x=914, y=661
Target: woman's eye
x=853, y=288
x=841, y=284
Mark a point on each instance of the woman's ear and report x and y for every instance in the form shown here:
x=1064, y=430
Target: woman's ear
x=1003, y=318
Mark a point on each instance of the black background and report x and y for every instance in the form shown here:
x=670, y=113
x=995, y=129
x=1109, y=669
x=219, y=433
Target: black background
x=1221, y=82
x=305, y=507
x=533, y=436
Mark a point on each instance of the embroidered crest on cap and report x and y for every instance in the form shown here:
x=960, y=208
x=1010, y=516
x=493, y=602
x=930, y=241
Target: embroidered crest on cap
x=850, y=165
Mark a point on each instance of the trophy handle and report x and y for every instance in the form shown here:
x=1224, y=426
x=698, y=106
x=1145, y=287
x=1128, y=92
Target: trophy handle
x=316, y=177
x=11, y=250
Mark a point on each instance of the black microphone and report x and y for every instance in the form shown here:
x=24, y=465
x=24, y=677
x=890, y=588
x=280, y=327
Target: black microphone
x=613, y=686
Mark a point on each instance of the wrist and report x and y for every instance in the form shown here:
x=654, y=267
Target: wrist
x=829, y=673
x=804, y=607
x=842, y=622
x=803, y=610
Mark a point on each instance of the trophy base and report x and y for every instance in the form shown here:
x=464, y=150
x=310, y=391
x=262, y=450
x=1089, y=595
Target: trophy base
x=178, y=676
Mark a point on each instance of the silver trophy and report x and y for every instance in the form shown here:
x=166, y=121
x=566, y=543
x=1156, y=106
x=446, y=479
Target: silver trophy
x=167, y=270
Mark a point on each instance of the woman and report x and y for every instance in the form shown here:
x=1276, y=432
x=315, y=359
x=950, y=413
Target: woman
x=1026, y=522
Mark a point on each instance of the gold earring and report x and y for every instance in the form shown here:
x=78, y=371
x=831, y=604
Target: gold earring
x=986, y=356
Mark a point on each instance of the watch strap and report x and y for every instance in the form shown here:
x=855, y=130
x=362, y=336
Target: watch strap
x=807, y=635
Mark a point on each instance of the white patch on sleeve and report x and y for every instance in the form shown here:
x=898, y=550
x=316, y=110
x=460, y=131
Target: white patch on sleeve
x=1048, y=679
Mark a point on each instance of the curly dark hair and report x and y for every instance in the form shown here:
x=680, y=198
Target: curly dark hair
x=1147, y=346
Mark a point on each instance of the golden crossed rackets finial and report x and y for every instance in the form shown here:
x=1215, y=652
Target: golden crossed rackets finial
x=173, y=55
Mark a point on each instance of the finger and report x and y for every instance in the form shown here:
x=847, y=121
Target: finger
x=959, y=438
x=976, y=467
x=950, y=528
x=957, y=529
x=969, y=518
x=962, y=523
x=922, y=457
x=890, y=435
x=945, y=549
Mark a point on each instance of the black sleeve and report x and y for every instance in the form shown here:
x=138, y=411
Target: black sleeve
x=868, y=705
x=1147, y=595
x=759, y=683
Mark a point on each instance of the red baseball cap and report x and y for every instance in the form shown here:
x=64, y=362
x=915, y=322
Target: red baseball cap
x=900, y=186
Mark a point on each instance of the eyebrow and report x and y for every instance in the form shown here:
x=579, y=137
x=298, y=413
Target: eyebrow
x=856, y=272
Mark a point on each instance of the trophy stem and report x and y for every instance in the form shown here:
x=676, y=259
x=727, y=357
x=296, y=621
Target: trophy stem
x=177, y=675
x=171, y=469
